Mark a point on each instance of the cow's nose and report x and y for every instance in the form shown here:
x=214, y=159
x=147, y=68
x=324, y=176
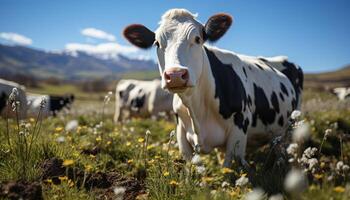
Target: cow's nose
x=175, y=77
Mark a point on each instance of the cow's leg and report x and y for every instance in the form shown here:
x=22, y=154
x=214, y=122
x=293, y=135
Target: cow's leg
x=236, y=147
x=184, y=146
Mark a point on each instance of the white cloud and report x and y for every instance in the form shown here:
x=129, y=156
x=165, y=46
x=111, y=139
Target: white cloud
x=16, y=38
x=103, y=50
x=99, y=34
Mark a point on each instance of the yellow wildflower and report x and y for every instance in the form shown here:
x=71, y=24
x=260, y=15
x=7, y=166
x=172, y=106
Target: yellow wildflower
x=157, y=157
x=173, y=183
x=32, y=120
x=128, y=144
x=140, y=140
x=76, y=154
x=166, y=174
x=226, y=170
x=151, y=161
x=48, y=181
x=99, y=138
x=150, y=147
x=70, y=183
x=92, y=156
x=109, y=142
x=68, y=162
x=130, y=161
x=323, y=164
x=58, y=129
x=339, y=189
x=88, y=167
x=207, y=179
x=233, y=193
x=318, y=176
x=63, y=178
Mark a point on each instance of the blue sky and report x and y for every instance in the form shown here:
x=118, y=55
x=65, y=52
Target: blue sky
x=313, y=33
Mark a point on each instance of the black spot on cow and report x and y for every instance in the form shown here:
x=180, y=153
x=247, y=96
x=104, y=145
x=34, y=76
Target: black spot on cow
x=284, y=89
x=294, y=104
x=249, y=101
x=57, y=103
x=241, y=122
x=245, y=73
x=3, y=99
x=281, y=121
x=259, y=66
x=281, y=96
x=228, y=87
x=262, y=110
x=138, y=102
x=295, y=75
x=268, y=64
x=274, y=102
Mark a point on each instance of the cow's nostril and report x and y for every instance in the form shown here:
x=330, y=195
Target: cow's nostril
x=185, y=75
x=166, y=76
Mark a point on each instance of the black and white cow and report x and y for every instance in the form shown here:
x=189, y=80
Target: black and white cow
x=141, y=99
x=220, y=97
x=54, y=103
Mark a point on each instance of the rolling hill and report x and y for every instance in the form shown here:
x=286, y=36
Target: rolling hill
x=64, y=65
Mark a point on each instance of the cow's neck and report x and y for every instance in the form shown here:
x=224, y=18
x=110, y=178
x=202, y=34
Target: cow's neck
x=201, y=103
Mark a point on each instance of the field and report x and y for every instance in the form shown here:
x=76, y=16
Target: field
x=81, y=154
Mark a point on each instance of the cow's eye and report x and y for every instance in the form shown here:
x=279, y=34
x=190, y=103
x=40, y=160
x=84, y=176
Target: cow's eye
x=156, y=43
x=197, y=40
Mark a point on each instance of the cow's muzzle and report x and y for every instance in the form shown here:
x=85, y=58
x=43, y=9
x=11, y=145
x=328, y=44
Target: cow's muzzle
x=176, y=78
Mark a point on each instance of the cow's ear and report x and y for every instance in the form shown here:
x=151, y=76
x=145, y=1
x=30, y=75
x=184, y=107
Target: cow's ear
x=139, y=35
x=216, y=26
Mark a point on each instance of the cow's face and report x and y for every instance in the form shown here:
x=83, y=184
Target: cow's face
x=179, y=41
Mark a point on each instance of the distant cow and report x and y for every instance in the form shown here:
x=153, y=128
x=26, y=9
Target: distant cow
x=342, y=93
x=141, y=99
x=6, y=88
x=220, y=97
x=54, y=104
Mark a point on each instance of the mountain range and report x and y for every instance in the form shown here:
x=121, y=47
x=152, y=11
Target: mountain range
x=66, y=65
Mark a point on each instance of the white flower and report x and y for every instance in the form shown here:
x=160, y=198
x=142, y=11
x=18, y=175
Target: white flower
x=301, y=133
x=110, y=93
x=13, y=95
x=310, y=152
x=313, y=162
x=327, y=132
x=172, y=133
x=60, y=139
x=256, y=194
x=242, y=181
x=225, y=184
x=200, y=169
x=148, y=132
x=119, y=192
x=339, y=166
x=295, y=181
x=295, y=114
x=196, y=160
x=72, y=125
x=292, y=149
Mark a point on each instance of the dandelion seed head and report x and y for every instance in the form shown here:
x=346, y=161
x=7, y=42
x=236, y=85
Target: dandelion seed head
x=301, y=133
x=196, y=159
x=295, y=181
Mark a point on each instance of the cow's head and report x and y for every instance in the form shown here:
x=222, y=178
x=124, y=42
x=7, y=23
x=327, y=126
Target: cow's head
x=179, y=41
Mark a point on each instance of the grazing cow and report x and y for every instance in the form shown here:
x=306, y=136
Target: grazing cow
x=5, y=90
x=141, y=99
x=53, y=104
x=220, y=97
x=342, y=93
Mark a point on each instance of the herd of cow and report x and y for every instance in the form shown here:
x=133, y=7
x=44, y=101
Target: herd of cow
x=221, y=99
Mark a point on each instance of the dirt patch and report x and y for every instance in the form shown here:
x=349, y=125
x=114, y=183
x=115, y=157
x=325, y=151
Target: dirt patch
x=21, y=190
x=103, y=184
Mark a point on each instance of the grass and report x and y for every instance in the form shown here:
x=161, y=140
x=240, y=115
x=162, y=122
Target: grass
x=153, y=160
